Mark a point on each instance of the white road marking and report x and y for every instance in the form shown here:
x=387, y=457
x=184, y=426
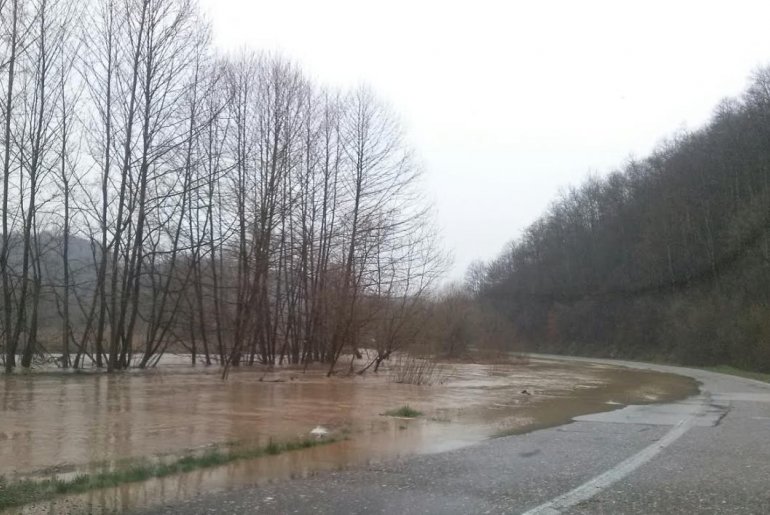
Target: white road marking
x=618, y=472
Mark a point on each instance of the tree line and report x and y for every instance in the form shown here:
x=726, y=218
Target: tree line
x=160, y=196
x=666, y=258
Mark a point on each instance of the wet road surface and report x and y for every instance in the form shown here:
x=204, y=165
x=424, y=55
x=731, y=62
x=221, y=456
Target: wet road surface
x=707, y=454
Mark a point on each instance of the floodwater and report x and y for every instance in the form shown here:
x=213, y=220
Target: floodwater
x=62, y=424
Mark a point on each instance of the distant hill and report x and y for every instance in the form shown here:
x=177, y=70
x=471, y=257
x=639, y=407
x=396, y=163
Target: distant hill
x=83, y=272
x=80, y=256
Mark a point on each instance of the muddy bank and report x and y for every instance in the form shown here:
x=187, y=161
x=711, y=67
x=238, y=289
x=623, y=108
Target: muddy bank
x=61, y=424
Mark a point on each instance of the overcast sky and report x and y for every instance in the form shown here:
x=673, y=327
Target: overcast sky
x=507, y=102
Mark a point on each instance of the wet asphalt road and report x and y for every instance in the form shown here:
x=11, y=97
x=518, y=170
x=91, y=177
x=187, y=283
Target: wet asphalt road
x=707, y=454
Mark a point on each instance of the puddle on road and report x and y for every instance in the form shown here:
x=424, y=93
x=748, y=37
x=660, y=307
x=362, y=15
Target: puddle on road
x=59, y=423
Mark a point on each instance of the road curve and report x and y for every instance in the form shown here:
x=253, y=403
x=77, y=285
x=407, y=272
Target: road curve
x=707, y=454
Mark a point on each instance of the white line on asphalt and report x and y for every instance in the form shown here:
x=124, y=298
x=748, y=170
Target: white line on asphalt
x=621, y=470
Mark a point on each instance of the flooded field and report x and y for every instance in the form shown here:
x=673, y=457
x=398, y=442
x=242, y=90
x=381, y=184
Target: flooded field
x=63, y=424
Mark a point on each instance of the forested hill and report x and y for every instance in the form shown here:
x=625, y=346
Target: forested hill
x=666, y=258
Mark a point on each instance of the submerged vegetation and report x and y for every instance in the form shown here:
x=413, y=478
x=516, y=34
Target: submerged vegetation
x=17, y=493
x=407, y=369
x=667, y=258
x=403, y=412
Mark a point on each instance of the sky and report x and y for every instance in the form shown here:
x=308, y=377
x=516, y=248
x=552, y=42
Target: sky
x=507, y=103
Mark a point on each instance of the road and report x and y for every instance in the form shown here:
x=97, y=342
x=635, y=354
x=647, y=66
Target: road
x=706, y=454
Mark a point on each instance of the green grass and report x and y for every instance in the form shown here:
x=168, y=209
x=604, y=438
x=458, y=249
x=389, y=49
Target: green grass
x=727, y=369
x=403, y=411
x=18, y=493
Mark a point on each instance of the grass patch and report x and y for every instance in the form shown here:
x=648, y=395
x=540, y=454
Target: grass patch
x=403, y=411
x=18, y=493
x=727, y=369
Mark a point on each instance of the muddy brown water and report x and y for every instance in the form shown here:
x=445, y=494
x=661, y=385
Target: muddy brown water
x=63, y=424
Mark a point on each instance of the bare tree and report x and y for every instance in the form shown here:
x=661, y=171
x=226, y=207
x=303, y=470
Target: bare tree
x=225, y=207
x=9, y=67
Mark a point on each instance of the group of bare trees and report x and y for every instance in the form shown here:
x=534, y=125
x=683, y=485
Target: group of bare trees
x=159, y=196
x=667, y=258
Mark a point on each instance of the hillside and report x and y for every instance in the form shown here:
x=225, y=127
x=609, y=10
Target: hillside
x=666, y=258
